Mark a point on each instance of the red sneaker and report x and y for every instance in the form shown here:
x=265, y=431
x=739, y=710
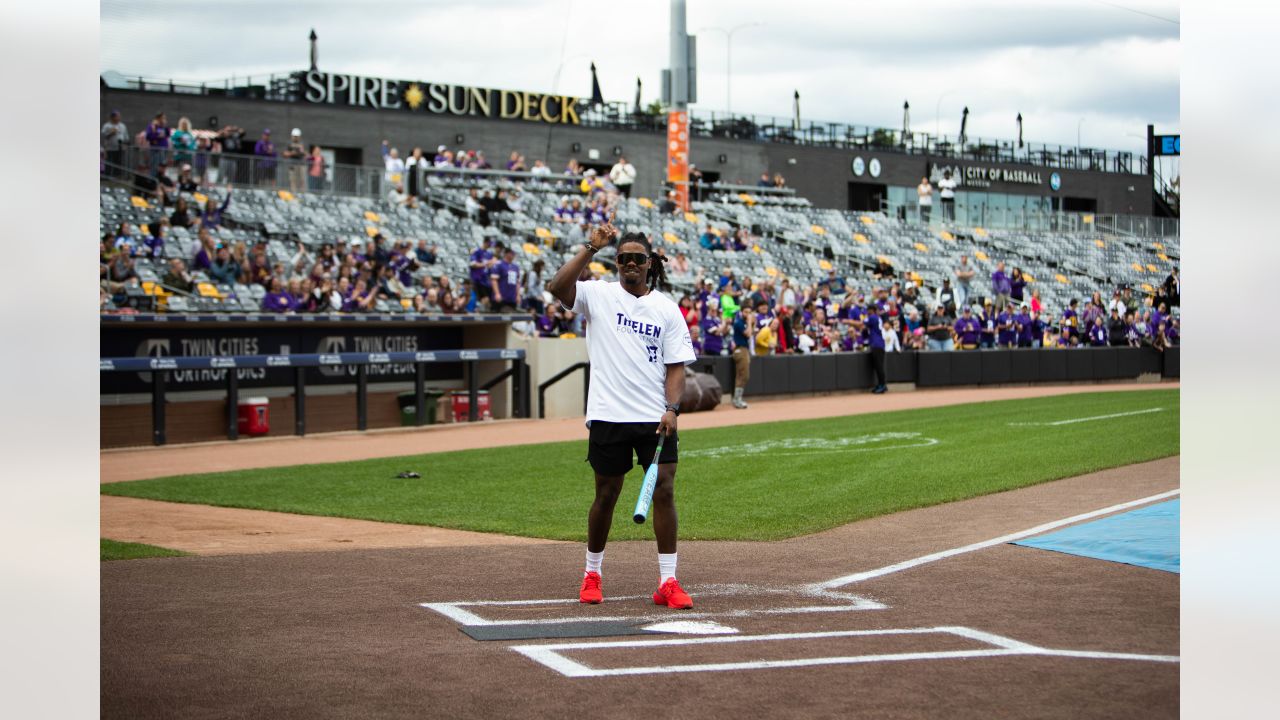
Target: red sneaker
x=590, y=592
x=672, y=595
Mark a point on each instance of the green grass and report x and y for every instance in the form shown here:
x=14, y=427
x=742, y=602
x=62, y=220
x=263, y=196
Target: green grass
x=545, y=490
x=116, y=550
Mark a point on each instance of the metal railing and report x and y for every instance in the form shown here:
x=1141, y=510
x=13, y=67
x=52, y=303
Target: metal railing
x=160, y=367
x=286, y=87
x=997, y=218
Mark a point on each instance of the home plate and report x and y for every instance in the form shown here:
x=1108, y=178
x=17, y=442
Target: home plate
x=691, y=627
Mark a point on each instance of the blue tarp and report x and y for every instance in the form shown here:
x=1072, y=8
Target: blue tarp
x=1147, y=537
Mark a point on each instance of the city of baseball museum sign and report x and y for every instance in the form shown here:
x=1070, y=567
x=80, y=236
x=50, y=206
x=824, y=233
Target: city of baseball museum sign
x=438, y=98
x=979, y=176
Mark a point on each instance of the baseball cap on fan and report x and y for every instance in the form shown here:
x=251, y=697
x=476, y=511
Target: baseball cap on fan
x=296, y=133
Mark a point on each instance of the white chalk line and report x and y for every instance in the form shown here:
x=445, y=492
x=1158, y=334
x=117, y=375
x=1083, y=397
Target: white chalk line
x=1086, y=419
x=550, y=655
x=457, y=611
x=934, y=557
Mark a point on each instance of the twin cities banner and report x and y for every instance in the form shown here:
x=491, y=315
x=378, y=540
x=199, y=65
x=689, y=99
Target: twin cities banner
x=678, y=156
x=438, y=98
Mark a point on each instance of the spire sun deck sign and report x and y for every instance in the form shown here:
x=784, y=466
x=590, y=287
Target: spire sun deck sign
x=438, y=98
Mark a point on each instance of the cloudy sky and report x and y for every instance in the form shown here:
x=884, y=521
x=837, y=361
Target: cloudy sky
x=1102, y=69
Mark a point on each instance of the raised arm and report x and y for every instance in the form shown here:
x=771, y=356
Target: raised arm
x=564, y=285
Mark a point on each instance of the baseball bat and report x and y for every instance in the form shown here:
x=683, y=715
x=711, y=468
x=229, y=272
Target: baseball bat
x=646, y=490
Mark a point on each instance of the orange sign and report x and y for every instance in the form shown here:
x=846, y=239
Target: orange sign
x=678, y=156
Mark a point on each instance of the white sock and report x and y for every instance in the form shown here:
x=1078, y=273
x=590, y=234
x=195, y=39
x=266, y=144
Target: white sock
x=594, y=561
x=667, y=565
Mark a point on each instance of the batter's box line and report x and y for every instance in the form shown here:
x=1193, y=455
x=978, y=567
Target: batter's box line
x=551, y=657
x=458, y=612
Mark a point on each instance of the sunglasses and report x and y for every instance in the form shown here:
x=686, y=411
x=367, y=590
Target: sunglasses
x=638, y=258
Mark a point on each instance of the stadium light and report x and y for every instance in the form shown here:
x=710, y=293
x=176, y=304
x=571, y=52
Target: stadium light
x=1078, y=134
x=728, y=60
x=937, y=113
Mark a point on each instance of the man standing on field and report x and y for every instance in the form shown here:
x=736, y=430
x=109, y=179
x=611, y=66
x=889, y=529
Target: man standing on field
x=638, y=345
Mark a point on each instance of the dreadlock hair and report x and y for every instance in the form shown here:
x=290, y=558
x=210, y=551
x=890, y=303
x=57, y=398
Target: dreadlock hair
x=657, y=274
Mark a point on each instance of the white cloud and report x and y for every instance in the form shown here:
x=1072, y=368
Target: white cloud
x=853, y=62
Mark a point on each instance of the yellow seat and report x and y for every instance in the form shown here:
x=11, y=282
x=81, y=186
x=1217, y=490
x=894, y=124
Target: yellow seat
x=861, y=238
x=371, y=231
x=406, y=303
x=600, y=269
x=645, y=203
x=1087, y=219
x=771, y=272
x=140, y=202
x=145, y=228
x=208, y=290
x=980, y=232
x=981, y=255
x=1099, y=243
x=824, y=264
x=717, y=232
x=867, y=220
x=395, y=178
x=567, y=336
x=1152, y=268
x=691, y=217
x=1148, y=289
x=1157, y=246
x=1028, y=277
x=372, y=216
x=149, y=288
x=542, y=233
x=1136, y=267
x=671, y=238
x=1163, y=257
x=200, y=198
x=285, y=195
x=1061, y=278
x=947, y=236
x=756, y=249
x=922, y=247
x=532, y=249
x=817, y=230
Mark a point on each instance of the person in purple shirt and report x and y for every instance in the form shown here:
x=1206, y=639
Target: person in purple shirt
x=158, y=142
x=1000, y=286
x=482, y=262
x=1097, y=334
x=854, y=318
x=211, y=218
x=504, y=281
x=714, y=328
x=1171, y=331
x=1071, y=319
x=1160, y=315
x=1006, y=333
x=277, y=300
x=967, y=329
x=1026, y=329
x=546, y=321
x=875, y=336
x=266, y=152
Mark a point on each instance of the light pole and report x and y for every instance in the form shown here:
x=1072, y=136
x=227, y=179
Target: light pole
x=1078, y=135
x=728, y=60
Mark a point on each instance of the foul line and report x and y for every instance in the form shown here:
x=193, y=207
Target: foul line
x=1088, y=419
x=908, y=564
x=549, y=655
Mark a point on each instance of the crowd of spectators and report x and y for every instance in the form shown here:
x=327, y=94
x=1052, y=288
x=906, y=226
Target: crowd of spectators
x=726, y=314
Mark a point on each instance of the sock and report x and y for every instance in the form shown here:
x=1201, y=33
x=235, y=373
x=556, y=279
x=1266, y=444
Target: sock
x=594, y=561
x=667, y=565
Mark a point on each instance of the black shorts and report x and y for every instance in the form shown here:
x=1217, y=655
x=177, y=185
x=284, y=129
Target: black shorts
x=612, y=445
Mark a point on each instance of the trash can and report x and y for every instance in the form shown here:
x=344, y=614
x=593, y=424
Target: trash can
x=461, y=404
x=408, y=411
x=253, y=416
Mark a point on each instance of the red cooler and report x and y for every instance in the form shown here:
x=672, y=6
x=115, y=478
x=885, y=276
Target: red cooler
x=461, y=403
x=253, y=415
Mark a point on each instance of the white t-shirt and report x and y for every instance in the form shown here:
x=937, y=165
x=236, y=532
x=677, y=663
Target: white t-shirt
x=629, y=345
x=947, y=188
x=926, y=193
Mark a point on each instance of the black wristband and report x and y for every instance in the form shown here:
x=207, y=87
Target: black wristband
x=674, y=407
x=591, y=248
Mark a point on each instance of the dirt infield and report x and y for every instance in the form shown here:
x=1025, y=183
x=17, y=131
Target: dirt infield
x=342, y=634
